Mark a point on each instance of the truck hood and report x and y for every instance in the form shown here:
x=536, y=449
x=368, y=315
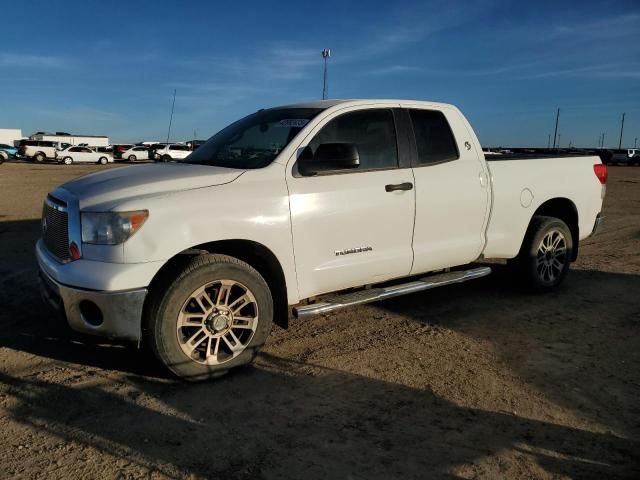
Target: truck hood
x=118, y=184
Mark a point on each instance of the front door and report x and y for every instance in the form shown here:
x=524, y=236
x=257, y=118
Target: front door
x=348, y=230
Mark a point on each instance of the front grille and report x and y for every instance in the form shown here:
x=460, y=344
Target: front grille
x=55, y=228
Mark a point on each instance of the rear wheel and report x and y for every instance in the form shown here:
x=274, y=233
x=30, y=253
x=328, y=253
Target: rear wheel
x=40, y=157
x=103, y=160
x=132, y=158
x=166, y=158
x=546, y=253
x=208, y=314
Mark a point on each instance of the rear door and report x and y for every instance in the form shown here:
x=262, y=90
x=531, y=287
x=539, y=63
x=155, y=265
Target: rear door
x=452, y=191
x=350, y=228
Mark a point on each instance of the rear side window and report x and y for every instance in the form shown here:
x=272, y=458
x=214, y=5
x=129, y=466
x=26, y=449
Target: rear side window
x=183, y=148
x=371, y=131
x=434, y=138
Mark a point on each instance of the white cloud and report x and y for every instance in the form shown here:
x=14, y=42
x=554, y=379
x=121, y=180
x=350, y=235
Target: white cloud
x=17, y=60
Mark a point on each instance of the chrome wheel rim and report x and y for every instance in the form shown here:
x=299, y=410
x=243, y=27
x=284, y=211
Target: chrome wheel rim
x=551, y=256
x=217, y=322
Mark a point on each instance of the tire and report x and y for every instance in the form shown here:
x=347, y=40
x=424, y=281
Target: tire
x=166, y=158
x=194, y=339
x=132, y=158
x=103, y=161
x=40, y=157
x=4, y=156
x=546, y=253
x=67, y=160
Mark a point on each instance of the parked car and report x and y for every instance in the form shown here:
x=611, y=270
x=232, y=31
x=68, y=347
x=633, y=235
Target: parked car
x=119, y=149
x=364, y=200
x=173, y=151
x=135, y=153
x=39, y=150
x=82, y=155
x=620, y=157
x=7, y=152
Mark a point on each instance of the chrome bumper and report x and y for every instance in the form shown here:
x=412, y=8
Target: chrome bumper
x=106, y=314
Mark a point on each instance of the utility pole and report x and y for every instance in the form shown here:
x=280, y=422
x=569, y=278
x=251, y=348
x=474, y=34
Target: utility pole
x=602, y=139
x=171, y=117
x=621, y=130
x=556, y=132
x=326, y=53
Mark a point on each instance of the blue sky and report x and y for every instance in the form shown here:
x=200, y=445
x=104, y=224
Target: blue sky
x=111, y=67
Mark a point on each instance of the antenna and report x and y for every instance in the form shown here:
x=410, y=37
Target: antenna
x=171, y=117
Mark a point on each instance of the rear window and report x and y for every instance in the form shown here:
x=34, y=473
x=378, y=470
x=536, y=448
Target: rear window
x=434, y=138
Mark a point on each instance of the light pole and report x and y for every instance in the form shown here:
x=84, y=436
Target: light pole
x=549, y=142
x=555, y=134
x=621, y=130
x=326, y=53
x=171, y=117
x=602, y=139
x=559, y=137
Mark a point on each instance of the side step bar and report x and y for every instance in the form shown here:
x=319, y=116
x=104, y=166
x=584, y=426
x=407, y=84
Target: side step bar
x=375, y=294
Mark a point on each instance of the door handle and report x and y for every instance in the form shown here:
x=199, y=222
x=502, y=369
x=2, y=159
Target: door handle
x=398, y=186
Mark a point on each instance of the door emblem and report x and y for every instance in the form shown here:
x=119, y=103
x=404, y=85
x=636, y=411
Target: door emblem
x=349, y=251
x=467, y=145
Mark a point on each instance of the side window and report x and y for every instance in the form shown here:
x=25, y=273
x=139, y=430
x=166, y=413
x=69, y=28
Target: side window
x=371, y=131
x=434, y=137
x=87, y=150
x=75, y=149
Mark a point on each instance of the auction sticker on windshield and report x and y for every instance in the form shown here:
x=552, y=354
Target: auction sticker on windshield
x=293, y=122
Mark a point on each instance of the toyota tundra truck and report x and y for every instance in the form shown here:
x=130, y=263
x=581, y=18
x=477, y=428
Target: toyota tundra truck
x=315, y=206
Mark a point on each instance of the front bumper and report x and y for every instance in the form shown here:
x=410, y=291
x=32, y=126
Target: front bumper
x=106, y=314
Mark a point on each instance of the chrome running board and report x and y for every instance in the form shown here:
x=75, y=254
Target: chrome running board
x=374, y=294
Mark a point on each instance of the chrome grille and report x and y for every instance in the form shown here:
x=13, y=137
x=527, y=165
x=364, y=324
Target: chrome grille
x=55, y=228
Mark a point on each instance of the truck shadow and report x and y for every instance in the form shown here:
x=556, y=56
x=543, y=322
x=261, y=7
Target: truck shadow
x=283, y=419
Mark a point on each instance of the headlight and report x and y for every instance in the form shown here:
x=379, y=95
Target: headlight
x=111, y=228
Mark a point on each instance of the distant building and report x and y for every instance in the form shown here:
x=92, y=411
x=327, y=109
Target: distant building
x=10, y=136
x=64, y=137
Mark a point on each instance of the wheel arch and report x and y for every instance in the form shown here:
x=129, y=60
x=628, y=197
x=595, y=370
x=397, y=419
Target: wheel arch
x=255, y=254
x=565, y=210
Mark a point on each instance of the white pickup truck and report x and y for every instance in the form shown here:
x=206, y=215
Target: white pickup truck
x=361, y=200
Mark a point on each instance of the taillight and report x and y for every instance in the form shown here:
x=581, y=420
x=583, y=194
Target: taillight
x=600, y=169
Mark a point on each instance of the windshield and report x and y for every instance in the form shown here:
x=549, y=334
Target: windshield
x=254, y=141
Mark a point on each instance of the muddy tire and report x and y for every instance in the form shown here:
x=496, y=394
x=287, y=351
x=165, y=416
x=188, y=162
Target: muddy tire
x=206, y=315
x=545, y=256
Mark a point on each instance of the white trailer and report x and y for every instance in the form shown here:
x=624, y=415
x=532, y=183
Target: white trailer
x=10, y=136
x=63, y=137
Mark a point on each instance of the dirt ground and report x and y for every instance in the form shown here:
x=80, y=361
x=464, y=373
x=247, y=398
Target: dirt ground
x=479, y=380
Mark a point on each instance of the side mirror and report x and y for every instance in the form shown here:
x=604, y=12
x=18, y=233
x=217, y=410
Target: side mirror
x=328, y=157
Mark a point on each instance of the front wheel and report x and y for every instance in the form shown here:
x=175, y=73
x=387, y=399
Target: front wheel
x=546, y=253
x=132, y=158
x=103, y=160
x=208, y=314
x=67, y=160
x=39, y=157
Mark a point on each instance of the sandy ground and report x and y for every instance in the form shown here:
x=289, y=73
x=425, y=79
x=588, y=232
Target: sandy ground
x=478, y=380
